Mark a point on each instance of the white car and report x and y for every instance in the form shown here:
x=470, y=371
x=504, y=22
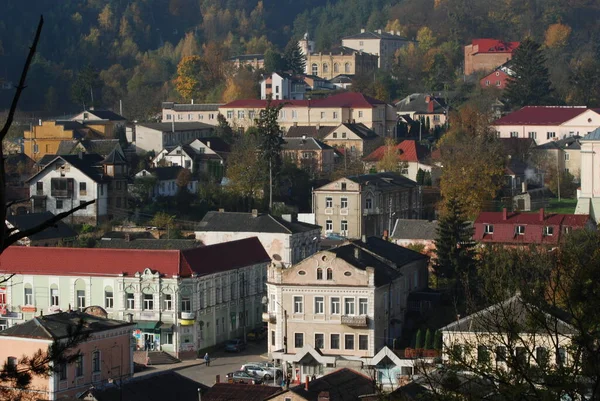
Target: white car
x=264, y=372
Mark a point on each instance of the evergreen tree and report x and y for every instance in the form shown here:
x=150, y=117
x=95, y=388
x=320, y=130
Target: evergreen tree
x=420, y=176
x=428, y=339
x=419, y=340
x=223, y=130
x=427, y=179
x=437, y=341
x=530, y=84
x=293, y=58
x=273, y=61
x=270, y=139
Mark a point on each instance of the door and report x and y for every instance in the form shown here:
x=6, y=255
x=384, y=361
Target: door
x=148, y=341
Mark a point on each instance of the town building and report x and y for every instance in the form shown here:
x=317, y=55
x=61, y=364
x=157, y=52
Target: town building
x=380, y=43
x=103, y=147
x=286, y=241
x=564, y=153
x=487, y=54
x=547, y=123
x=106, y=351
x=204, y=112
x=341, y=60
x=309, y=131
x=353, y=140
x=254, y=61
x=309, y=154
x=498, y=78
x=104, y=122
x=426, y=107
x=527, y=228
x=341, y=305
x=45, y=138
x=411, y=156
x=394, y=368
x=165, y=181
x=367, y=204
x=588, y=202
x=57, y=233
x=279, y=85
x=156, y=136
x=200, y=156
x=67, y=181
x=182, y=301
x=412, y=232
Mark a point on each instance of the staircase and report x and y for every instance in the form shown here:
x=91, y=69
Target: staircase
x=160, y=358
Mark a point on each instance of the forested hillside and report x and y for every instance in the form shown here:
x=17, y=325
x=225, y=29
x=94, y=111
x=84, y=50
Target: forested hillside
x=129, y=50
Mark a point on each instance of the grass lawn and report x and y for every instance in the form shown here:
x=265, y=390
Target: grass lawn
x=564, y=206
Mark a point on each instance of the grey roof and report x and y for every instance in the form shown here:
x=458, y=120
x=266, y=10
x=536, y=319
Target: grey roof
x=88, y=164
x=246, y=222
x=192, y=107
x=342, y=79
x=362, y=130
x=417, y=103
x=309, y=143
x=166, y=173
x=60, y=325
x=593, y=136
x=158, y=386
x=568, y=143
x=243, y=57
x=176, y=244
x=309, y=131
x=342, y=50
x=114, y=157
x=415, y=229
x=179, y=126
x=376, y=35
x=106, y=115
x=384, y=180
x=26, y=221
x=101, y=146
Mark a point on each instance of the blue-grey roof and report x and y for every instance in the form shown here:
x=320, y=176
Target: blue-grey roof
x=415, y=229
x=27, y=221
x=592, y=136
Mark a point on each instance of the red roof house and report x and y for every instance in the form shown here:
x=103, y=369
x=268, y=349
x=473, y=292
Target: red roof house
x=408, y=151
x=541, y=115
x=527, y=228
x=487, y=54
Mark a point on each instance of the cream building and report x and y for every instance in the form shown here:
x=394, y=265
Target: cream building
x=341, y=305
x=341, y=60
x=204, y=113
x=380, y=43
x=588, y=201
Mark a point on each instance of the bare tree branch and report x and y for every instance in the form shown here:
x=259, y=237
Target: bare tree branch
x=5, y=279
x=14, y=202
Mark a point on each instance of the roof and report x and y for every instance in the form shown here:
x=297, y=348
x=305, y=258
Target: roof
x=292, y=143
x=309, y=131
x=87, y=163
x=177, y=126
x=341, y=50
x=239, y=392
x=592, y=136
x=494, y=46
x=106, y=115
x=342, y=385
x=377, y=35
x=215, y=143
x=143, y=243
x=517, y=167
x=115, y=262
x=384, y=180
x=191, y=107
x=417, y=102
x=114, y=157
x=26, y=221
x=415, y=229
x=243, y=57
x=567, y=143
x=361, y=130
x=341, y=100
x=408, y=150
x=246, y=222
x=166, y=173
x=342, y=79
x=541, y=115
x=158, y=386
x=101, y=146
x=60, y=325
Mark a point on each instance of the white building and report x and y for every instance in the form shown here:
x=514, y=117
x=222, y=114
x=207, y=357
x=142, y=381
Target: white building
x=206, y=155
x=286, y=242
x=588, y=201
x=166, y=181
x=380, y=43
x=282, y=86
x=156, y=136
x=179, y=112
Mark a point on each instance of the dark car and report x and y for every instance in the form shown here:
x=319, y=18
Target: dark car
x=235, y=345
x=256, y=334
x=240, y=376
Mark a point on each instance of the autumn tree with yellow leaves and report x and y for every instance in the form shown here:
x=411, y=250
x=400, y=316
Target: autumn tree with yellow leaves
x=557, y=36
x=190, y=77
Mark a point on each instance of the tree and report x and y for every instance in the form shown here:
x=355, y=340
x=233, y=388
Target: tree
x=247, y=171
x=530, y=84
x=84, y=85
x=273, y=61
x=190, y=81
x=390, y=161
x=419, y=339
x=223, y=129
x=428, y=344
x=163, y=220
x=557, y=35
x=270, y=137
x=241, y=85
x=293, y=58
x=183, y=179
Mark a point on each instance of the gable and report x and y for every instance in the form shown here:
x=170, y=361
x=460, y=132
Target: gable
x=342, y=272
x=337, y=185
x=342, y=133
x=589, y=118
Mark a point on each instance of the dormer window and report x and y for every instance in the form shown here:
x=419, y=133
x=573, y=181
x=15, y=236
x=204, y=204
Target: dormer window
x=489, y=229
x=520, y=230
x=548, y=231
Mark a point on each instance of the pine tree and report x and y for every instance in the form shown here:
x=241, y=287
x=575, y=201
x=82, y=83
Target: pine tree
x=223, y=130
x=293, y=58
x=270, y=137
x=530, y=84
x=419, y=340
x=437, y=341
x=420, y=176
x=428, y=339
x=273, y=61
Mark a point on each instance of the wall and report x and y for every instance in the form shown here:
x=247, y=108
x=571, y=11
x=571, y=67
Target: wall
x=47, y=136
x=358, y=63
x=206, y=117
x=352, y=214
x=17, y=348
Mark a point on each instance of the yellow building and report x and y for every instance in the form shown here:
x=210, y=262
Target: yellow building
x=104, y=122
x=341, y=60
x=44, y=139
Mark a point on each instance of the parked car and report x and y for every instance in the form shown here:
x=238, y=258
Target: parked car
x=241, y=376
x=256, y=334
x=266, y=373
x=235, y=345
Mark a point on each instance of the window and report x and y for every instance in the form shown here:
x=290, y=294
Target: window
x=319, y=341
x=251, y=114
x=514, y=134
x=487, y=82
x=548, y=231
x=334, y=341
x=347, y=68
x=272, y=337
x=550, y=135
x=335, y=115
x=62, y=373
x=343, y=186
x=328, y=225
x=363, y=306
x=360, y=114
x=329, y=202
x=322, y=115
x=108, y=298
x=28, y=294
x=315, y=69
x=336, y=67
x=294, y=114
x=561, y=356
x=344, y=203
x=186, y=304
x=349, y=341
x=567, y=157
x=489, y=229
x=483, y=354
x=319, y=305
x=61, y=187
x=11, y=364
x=130, y=301
x=148, y=301
x=39, y=186
x=241, y=114
x=329, y=274
x=348, y=306
x=500, y=354
x=334, y=135
x=541, y=356
x=521, y=356
x=344, y=227
x=79, y=366
x=325, y=68
x=168, y=116
x=229, y=114
x=59, y=204
x=96, y=361
x=82, y=188
x=520, y=230
x=335, y=306
x=54, y=296
x=532, y=135
x=369, y=203
x=298, y=305
x=167, y=302
x=498, y=83
x=298, y=340
x=363, y=342
x=319, y=274
x=80, y=299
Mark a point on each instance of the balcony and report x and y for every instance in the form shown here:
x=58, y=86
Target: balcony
x=188, y=315
x=269, y=317
x=354, y=321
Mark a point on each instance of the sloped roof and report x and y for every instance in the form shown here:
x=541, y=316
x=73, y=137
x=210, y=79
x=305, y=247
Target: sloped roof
x=309, y=131
x=567, y=143
x=106, y=115
x=27, y=221
x=239, y=391
x=541, y=115
x=376, y=35
x=342, y=79
x=143, y=243
x=361, y=130
x=246, y=222
x=261, y=103
x=516, y=167
x=191, y=107
x=415, y=229
x=60, y=325
x=100, y=146
x=408, y=150
x=494, y=46
x=303, y=144
x=114, y=157
x=340, y=50
x=88, y=164
x=166, y=173
x=383, y=180
x=592, y=136
x=178, y=126
x=417, y=102
x=217, y=144
x=341, y=100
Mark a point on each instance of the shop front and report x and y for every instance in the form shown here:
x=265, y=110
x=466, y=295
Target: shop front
x=147, y=334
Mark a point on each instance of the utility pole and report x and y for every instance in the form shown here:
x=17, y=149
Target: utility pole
x=270, y=185
x=558, y=176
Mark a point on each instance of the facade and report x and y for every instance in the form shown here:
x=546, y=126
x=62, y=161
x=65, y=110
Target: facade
x=380, y=43
x=104, y=122
x=282, y=86
x=286, y=241
x=353, y=139
x=411, y=157
x=309, y=154
x=588, y=202
x=45, y=138
x=166, y=181
x=341, y=60
x=496, y=79
x=179, y=112
x=106, y=354
x=345, y=303
x=204, y=155
x=254, y=61
x=366, y=204
x=548, y=123
x=157, y=136
x=487, y=54
x=426, y=106
x=527, y=228
x=565, y=152
x=182, y=301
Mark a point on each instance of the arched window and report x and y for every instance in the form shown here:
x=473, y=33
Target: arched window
x=315, y=69
x=319, y=274
x=347, y=68
x=336, y=67
x=325, y=68
x=80, y=294
x=329, y=274
x=108, y=297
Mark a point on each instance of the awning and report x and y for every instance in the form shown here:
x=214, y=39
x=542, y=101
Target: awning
x=165, y=326
x=147, y=325
x=187, y=322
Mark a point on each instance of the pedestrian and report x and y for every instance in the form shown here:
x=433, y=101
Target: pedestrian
x=206, y=359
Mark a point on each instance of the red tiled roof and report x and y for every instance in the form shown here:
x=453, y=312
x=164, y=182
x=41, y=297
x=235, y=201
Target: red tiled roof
x=504, y=230
x=113, y=262
x=261, y=104
x=408, y=151
x=541, y=115
x=347, y=100
x=494, y=46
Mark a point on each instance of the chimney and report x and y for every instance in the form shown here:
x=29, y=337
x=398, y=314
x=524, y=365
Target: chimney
x=221, y=210
x=254, y=212
x=304, y=137
x=306, y=383
x=430, y=107
x=40, y=120
x=357, y=253
x=524, y=186
x=542, y=214
x=208, y=144
x=379, y=31
x=362, y=30
x=218, y=379
x=385, y=234
x=127, y=237
x=504, y=214
x=80, y=155
x=427, y=99
x=192, y=101
x=364, y=239
x=323, y=396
